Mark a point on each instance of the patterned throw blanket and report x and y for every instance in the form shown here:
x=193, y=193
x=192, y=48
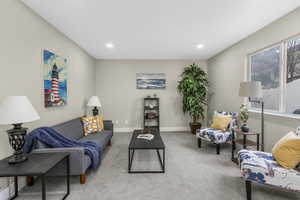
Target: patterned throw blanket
x=54, y=139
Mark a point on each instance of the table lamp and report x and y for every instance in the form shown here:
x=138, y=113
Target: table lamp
x=94, y=102
x=253, y=90
x=16, y=110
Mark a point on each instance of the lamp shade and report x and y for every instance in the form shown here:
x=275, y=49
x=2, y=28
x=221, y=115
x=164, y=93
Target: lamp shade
x=251, y=89
x=94, y=102
x=16, y=110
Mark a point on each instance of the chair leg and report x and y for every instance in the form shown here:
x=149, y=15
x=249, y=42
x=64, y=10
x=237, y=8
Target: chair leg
x=82, y=178
x=218, y=148
x=199, y=142
x=248, y=190
x=29, y=180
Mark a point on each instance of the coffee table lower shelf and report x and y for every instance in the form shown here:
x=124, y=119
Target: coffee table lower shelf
x=161, y=161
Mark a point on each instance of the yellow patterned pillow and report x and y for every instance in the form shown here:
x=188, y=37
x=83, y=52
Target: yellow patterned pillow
x=92, y=125
x=101, y=123
x=287, y=151
x=221, y=122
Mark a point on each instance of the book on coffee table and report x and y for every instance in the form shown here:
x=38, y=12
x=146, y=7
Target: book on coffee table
x=147, y=136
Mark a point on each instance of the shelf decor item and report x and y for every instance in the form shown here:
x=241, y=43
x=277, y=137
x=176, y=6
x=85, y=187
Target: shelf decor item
x=151, y=113
x=94, y=102
x=253, y=90
x=55, y=79
x=193, y=87
x=16, y=110
x=244, y=113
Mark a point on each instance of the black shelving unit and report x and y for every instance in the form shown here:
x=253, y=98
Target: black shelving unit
x=151, y=113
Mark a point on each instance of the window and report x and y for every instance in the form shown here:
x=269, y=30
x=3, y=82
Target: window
x=265, y=67
x=278, y=69
x=293, y=77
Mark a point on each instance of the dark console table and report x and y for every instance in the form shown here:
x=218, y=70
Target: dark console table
x=38, y=164
x=142, y=144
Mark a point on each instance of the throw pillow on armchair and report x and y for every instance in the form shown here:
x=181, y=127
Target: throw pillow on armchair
x=287, y=151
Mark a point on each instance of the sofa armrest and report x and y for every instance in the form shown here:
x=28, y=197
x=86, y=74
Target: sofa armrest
x=79, y=151
x=77, y=154
x=108, y=125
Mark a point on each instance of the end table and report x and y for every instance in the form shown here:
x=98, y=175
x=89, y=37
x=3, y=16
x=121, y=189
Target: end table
x=38, y=164
x=244, y=141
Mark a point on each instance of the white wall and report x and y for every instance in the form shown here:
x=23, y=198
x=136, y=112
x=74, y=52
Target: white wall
x=23, y=37
x=227, y=70
x=116, y=87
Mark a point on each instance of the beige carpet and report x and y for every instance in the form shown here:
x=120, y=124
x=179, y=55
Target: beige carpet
x=191, y=174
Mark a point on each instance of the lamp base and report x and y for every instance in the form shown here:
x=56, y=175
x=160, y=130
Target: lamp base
x=17, y=140
x=95, y=111
x=15, y=159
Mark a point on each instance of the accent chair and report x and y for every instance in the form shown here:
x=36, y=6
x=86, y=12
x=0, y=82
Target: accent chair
x=261, y=167
x=216, y=136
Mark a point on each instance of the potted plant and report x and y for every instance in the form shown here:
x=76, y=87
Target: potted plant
x=193, y=87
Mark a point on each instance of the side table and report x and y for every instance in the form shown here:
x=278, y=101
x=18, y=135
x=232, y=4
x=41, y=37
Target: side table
x=38, y=164
x=244, y=141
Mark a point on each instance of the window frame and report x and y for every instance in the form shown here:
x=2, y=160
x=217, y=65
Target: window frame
x=283, y=70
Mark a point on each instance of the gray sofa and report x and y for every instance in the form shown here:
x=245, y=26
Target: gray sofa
x=79, y=162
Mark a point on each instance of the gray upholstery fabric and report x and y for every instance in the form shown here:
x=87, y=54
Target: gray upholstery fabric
x=72, y=129
x=60, y=169
x=108, y=125
x=41, y=145
x=102, y=138
x=79, y=161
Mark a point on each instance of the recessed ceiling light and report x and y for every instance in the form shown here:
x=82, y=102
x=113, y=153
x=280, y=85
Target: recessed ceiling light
x=200, y=46
x=109, y=45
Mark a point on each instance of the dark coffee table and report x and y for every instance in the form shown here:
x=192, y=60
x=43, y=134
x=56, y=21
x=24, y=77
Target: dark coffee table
x=142, y=144
x=38, y=164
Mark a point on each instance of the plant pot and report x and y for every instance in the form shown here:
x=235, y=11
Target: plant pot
x=194, y=127
x=245, y=128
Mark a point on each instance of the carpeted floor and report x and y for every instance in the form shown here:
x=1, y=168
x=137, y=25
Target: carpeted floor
x=191, y=174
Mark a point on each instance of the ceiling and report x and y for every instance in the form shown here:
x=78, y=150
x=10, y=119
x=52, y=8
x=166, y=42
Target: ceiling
x=159, y=29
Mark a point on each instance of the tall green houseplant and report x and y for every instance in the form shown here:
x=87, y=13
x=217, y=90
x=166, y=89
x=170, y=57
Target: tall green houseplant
x=193, y=87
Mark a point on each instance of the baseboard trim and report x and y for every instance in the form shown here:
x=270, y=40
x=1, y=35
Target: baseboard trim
x=124, y=130
x=174, y=129
x=162, y=129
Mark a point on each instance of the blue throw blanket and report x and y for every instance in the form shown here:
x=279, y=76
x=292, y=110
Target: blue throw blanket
x=54, y=139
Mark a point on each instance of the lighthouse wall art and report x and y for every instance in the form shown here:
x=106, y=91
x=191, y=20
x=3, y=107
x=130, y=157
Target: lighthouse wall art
x=55, y=79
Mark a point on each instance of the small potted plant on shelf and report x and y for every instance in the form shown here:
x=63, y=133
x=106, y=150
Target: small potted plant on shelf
x=193, y=87
x=244, y=113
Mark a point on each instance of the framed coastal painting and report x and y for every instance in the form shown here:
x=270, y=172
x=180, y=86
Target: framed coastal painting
x=150, y=80
x=55, y=79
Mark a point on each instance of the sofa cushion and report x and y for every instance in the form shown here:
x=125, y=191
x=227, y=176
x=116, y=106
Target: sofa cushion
x=101, y=138
x=71, y=129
